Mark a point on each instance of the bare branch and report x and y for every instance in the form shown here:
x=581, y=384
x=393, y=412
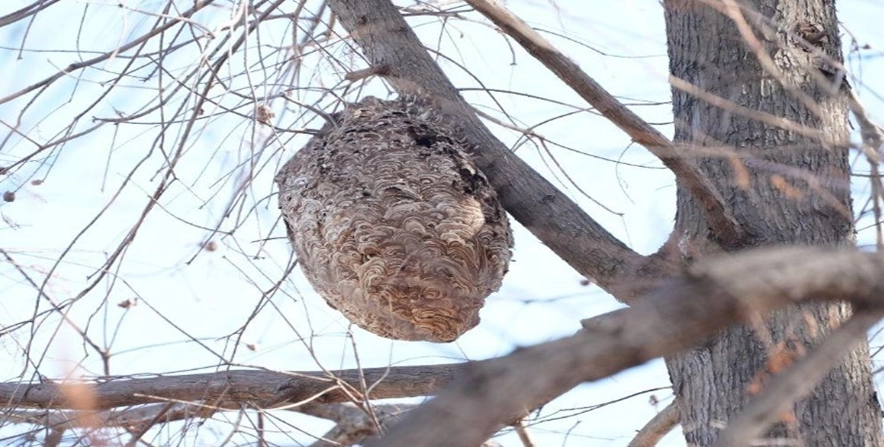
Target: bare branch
x=657, y=427
x=872, y=134
x=26, y=12
x=731, y=106
x=141, y=417
x=354, y=425
x=102, y=57
x=718, y=213
x=707, y=299
x=389, y=43
x=233, y=389
x=780, y=395
x=734, y=12
x=522, y=431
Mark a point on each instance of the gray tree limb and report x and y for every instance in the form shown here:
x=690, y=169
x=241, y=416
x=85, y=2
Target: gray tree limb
x=394, y=51
x=235, y=389
x=689, y=309
x=490, y=394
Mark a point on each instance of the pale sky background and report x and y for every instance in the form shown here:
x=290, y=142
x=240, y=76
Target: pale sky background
x=185, y=309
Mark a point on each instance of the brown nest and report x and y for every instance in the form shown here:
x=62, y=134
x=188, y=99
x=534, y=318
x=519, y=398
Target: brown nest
x=392, y=222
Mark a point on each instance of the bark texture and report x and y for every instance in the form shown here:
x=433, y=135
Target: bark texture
x=785, y=187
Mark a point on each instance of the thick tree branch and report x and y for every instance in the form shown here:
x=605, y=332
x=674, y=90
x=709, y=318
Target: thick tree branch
x=234, y=389
x=67, y=419
x=718, y=213
x=707, y=299
x=390, y=44
x=778, y=397
x=493, y=393
x=354, y=424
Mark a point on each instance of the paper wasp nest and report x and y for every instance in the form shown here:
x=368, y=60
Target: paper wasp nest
x=393, y=224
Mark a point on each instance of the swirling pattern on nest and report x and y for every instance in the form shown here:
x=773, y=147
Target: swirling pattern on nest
x=393, y=224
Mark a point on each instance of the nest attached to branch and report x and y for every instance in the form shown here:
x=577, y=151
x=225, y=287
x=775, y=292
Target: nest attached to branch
x=392, y=222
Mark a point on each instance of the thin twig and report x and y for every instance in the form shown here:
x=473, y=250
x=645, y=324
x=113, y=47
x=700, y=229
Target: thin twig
x=658, y=427
x=871, y=146
x=522, y=431
x=872, y=134
x=716, y=209
x=732, y=10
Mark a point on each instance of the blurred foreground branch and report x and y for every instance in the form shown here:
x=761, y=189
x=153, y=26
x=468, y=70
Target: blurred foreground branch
x=680, y=314
x=489, y=394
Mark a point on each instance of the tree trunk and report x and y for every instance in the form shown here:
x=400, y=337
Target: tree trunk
x=785, y=187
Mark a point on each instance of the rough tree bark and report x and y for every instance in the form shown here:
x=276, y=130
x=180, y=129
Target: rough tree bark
x=784, y=187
